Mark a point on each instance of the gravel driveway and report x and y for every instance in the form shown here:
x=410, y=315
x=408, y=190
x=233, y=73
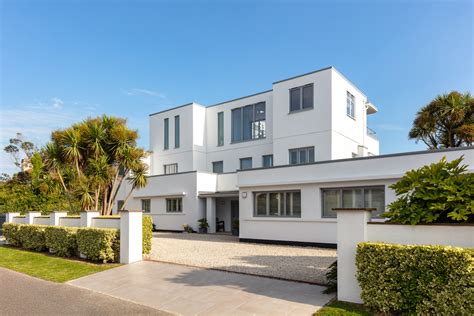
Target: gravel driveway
x=222, y=252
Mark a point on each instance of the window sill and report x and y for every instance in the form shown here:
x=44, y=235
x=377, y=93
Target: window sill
x=290, y=219
x=350, y=116
x=246, y=141
x=302, y=110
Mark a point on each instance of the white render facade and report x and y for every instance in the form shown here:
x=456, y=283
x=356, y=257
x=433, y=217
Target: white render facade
x=276, y=162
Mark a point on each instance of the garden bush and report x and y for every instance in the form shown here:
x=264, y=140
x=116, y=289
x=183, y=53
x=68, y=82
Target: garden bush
x=428, y=280
x=99, y=244
x=62, y=240
x=32, y=237
x=10, y=231
x=438, y=193
x=147, y=233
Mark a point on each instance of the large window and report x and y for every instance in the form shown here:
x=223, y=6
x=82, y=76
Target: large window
x=246, y=163
x=267, y=161
x=220, y=129
x=279, y=203
x=174, y=205
x=146, y=205
x=301, y=155
x=301, y=98
x=120, y=204
x=350, y=105
x=171, y=168
x=166, y=134
x=360, y=197
x=176, y=131
x=218, y=167
x=248, y=122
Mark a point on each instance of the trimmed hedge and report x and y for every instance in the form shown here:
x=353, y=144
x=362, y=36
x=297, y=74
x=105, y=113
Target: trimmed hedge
x=416, y=279
x=62, y=240
x=10, y=231
x=147, y=232
x=99, y=244
x=32, y=237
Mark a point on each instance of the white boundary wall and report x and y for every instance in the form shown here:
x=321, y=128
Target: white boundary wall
x=129, y=224
x=353, y=227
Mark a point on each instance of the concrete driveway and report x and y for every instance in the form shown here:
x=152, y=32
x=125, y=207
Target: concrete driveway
x=224, y=252
x=24, y=295
x=194, y=291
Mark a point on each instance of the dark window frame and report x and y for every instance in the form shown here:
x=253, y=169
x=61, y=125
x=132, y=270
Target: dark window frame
x=177, y=132
x=169, y=166
x=148, y=201
x=284, y=203
x=307, y=155
x=263, y=161
x=340, y=189
x=214, y=163
x=178, y=205
x=350, y=105
x=220, y=128
x=246, y=158
x=301, y=106
x=260, y=133
x=166, y=134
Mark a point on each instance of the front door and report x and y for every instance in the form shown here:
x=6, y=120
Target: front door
x=234, y=216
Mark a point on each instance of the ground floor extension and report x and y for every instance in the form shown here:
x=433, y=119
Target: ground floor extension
x=225, y=252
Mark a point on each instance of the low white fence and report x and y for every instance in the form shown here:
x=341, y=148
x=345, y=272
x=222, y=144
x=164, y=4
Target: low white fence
x=129, y=223
x=353, y=227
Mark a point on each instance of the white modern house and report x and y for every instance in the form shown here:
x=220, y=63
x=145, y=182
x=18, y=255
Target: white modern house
x=277, y=162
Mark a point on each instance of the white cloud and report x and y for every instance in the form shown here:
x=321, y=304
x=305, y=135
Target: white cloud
x=139, y=91
x=57, y=103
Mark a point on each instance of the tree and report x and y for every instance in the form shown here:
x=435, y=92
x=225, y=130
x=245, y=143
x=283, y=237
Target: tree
x=18, y=148
x=91, y=160
x=447, y=121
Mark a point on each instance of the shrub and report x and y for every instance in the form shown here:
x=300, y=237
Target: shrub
x=10, y=231
x=331, y=277
x=99, y=244
x=438, y=193
x=62, y=240
x=32, y=237
x=147, y=233
x=428, y=280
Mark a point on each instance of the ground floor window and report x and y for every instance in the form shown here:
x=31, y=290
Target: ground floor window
x=146, y=205
x=363, y=197
x=279, y=204
x=174, y=205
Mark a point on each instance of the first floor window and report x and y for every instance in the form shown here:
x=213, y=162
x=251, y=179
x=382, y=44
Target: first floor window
x=248, y=122
x=120, y=204
x=246, y=163
x=166, y=134
x=267, y=161
x=170, y=168
x=174, y=205
x=360, y=197
x=218, y=167
x=301, y=98
x=146, y=205
x=301, y=155
x=350, y=105
x=278, y=204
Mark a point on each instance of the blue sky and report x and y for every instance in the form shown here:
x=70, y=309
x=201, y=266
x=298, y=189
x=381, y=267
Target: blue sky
x=62, y=61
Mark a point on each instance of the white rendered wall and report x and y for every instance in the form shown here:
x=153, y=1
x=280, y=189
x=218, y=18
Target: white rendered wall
x=106, y=223
x=41, y=221
x=69, y=222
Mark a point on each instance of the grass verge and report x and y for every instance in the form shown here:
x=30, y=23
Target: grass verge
x=47, y=267
x=343, y=308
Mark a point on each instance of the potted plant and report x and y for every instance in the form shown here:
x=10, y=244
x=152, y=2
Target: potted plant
x=203, y=226
x=235, y=227
x=187, y=228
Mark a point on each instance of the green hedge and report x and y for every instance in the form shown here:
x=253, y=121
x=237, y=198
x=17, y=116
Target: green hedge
x=10, y=231
x=147, y=232
x=62, y=240
x=425, y=280
x=99, y=244
x=32, y=237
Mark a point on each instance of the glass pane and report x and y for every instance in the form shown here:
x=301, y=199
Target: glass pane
x=308, y=97
x=274, y=201
x=248, y=119
x=236, y=125
x=166, y=134
x=352, y=198
x=296, y=204
x=220, y=128
x=179, y=205
x=303, y=153
x=375, y=198
x=331, y=199
x=311, y=154
x=295, y=99
x=246, y=163
x=260, y=111
x=267, y=161
x=261, y=199
x=218, y=167
x=293, y=157
x=176, y=131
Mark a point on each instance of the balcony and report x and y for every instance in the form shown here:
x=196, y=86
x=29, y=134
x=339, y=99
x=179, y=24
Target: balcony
x=372, y=133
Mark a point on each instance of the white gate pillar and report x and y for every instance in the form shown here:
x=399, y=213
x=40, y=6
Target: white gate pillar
x=9, y=216
x=131, y=246
x=211, y=214
x=86, y=218
x=351, y=230
x=30, y=217
x=54, y=217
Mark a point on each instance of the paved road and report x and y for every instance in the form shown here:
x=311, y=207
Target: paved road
x=24, y=295
x=195, y=291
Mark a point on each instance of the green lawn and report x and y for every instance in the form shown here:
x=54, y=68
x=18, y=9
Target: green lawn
x=47, y=267
x=343, y=308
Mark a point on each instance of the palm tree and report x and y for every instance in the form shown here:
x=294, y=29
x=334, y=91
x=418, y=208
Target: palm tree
x=138, y=179
x=447, y=121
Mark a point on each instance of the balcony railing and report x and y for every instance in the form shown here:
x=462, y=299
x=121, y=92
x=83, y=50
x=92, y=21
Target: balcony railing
x=371, y=133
